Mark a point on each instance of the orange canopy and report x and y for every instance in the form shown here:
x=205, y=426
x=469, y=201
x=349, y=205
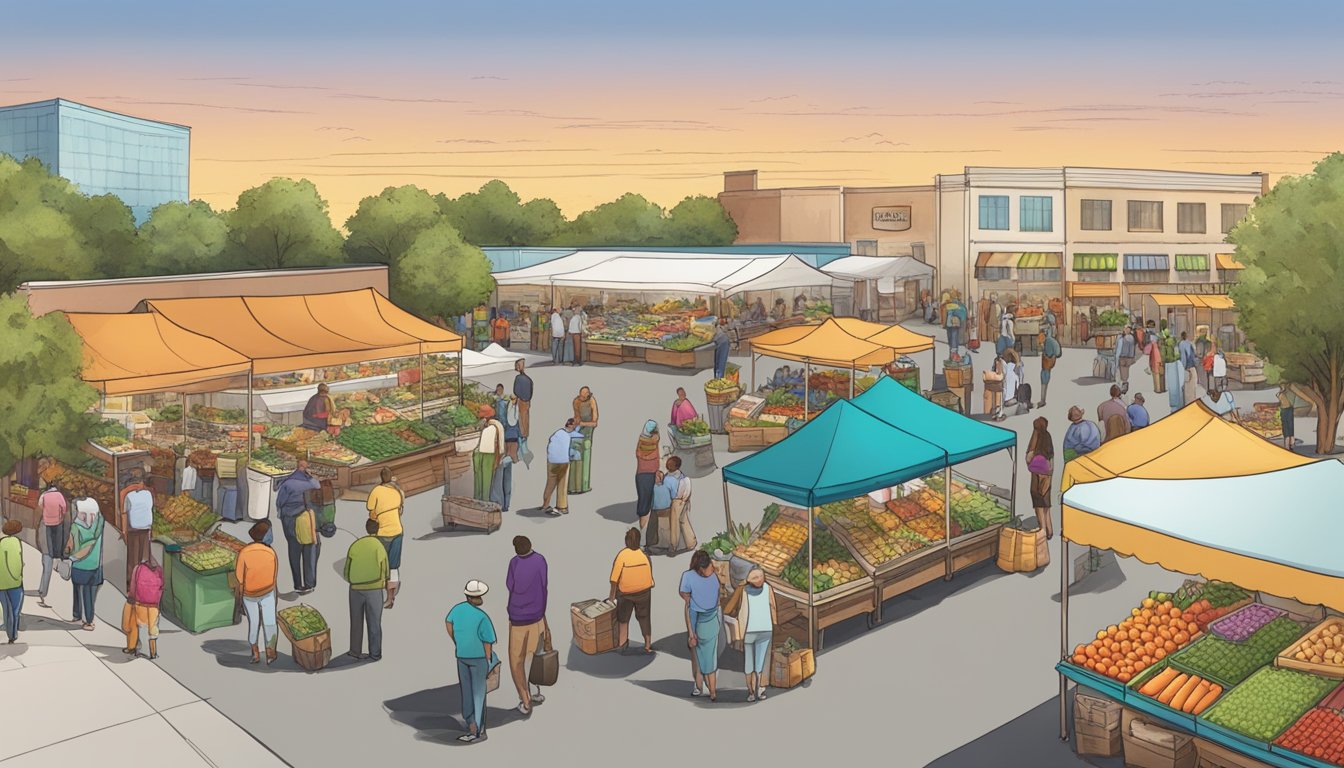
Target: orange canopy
x=824, y=344
x=894, y=337
x=130, y=354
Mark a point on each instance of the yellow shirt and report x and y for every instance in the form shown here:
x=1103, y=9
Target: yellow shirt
x=385, y=507
x=632, y=571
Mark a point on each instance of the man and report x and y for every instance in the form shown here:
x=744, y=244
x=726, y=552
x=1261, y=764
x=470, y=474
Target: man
x=557, y=469
x=256, y=573
x=722, y=345
x=1219, y=372
x=1138, y=414
x=290, y=502
x=11, y=577
x=1050, y=353
x=51, y=536
x=527, y=582
x=1082, y=435
x=680, y=534
x=1007, y=330
x=367, y=572
x=631, y=591
x=1190, y=367
x=954, y=317
x=489, y=449
x=1124, y=357
x=682, y=409
x=473, y=635
x=1221, y=403
x=137, y=504
x=578, y=325
x=557, y=336
x=585, y=418
x=318, y=410
x=1113, y=416
x=386, y=504
x=522, y=391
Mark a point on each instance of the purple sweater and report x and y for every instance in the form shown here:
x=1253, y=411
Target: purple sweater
x=527, y=589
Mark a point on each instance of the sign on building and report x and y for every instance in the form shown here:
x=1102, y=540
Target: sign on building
x=891, y=218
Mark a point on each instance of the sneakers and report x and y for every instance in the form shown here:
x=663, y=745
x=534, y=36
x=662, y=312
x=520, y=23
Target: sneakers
x=523, y=709
x=751, y=697
x=537, y=698
x=552, y=511
x=470, y=738
x=761, y=694
x=564, y=510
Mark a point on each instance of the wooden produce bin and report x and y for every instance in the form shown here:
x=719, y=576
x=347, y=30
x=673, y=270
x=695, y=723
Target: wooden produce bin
x=459, y=511
x=1096, y=723
x=831, y=607
x=1287, y=658
x=603, y=352
x=1154, y=746
x=974, y=548
x=958, y=376
x=699, y=358
x=593, y=635
x=1213, y=755
x=312, y=652
x=416, y=472
x=754, y=438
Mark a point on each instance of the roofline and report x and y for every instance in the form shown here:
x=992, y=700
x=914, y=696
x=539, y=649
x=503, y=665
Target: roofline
x=240, y=274
x=58, y=101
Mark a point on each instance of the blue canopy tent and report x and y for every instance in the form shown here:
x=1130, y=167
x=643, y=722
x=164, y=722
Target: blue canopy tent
x=962, y=438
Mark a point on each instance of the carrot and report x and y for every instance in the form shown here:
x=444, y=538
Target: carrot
x=1215, y=691
x=1178, y=702
x=1159, y=682
x=1170, y=691
x=1196, y=696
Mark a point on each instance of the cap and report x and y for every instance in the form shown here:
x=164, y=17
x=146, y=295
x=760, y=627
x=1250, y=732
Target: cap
x=476, y=588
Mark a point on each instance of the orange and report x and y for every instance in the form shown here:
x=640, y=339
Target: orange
x=1169, y=647
x=1146, y=637
x=1180, y=638
x=1159, y=654
x=1175, y=613
x=1123, y=677
x=1134, y=634
x=1112, y=671
x=1140, y=665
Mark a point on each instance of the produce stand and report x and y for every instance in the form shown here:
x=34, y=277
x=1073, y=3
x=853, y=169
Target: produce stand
x=308, y=634
x=198, y=595
x=615, y=353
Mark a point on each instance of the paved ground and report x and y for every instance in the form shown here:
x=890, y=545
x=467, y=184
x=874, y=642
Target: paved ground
x=954, y=663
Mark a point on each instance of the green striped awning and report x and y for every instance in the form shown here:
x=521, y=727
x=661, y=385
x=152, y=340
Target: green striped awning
x=1196, y=262
x=1038, y=261
x=1095, y=262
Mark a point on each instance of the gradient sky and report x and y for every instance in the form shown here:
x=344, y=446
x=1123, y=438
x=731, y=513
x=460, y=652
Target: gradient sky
x=580, y=102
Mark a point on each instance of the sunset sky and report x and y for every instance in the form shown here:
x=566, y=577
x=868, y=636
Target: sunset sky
x=581, y=102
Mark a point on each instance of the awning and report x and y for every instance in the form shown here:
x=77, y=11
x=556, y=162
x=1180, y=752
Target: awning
x=1146, y=262
x=1268, y=532
x=1039, y=261
x=1094, y=290
x=693, y=273
x=1228, y=261
x=960, y=437
x=827, y=344
x=1095, y=262
x=894, y=337
x=1192, y=262
x=1002, y=260
x=1170, y=299
x=886, y=270
x=129, y=354
x=1212, y=301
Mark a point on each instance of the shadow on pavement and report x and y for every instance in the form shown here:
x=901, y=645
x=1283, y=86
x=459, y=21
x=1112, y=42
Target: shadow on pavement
x=431, y=713
x=1030, y=739
x=729, y=697
x=237, y=654
x=532, y=512
x=1108, y=577
x=623, y=512
x=450, y=533
x=610, y=665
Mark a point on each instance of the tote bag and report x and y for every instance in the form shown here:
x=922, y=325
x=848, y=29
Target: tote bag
x=1022, y=551
x=305, y=527
x=545, y=663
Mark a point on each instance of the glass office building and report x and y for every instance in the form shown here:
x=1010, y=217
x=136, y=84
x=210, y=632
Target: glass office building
x=143, y=162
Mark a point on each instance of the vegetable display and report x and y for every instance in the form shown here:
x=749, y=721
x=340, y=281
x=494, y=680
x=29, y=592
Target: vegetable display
x=1325, y=645
x=169, y=412
x=832, y=565
x=383, y=441
x=775, y=545
x=1123, y=650
x=721, y=385
x=1182, y=692
x=271, y=462
x=450, y=421
x=1239, y=625
x=219, y=415
x=208, y=556
x=1270, y=700
x=694, y=428
x=1112, y=318
x=1319, y=734
x=1230, y=663
x=302, y=620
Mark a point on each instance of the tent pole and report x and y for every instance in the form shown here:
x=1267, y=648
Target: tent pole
x=811, y=589
x=853, y=374
x=947, y=517
x=807, y=380
x=727, y=510
x=1063, y=628
x=1012, y=504
x=422, y=382
x=753, y=371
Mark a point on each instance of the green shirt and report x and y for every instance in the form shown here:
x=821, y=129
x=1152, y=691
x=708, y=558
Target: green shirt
x=11, y=563
x=366, y=564
x=84, y=537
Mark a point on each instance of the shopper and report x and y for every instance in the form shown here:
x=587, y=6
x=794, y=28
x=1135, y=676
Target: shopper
x=137, y=504
x=557, y=336
x=664, y=490
x=646, y=471
x=722, y=345
x=1081, y=437
x=506, y=411
x=142, y=607
x=317, y=412
x=993, y=380
x=52, y=533
x=632, y=591
x=11, y=577
x=700, y=590
x=85, y=550
x=753, y=605
x=291, y=504
x=1124, y=357
x=585, y=416
x=367, y=571
x=522, y=394
x=386, y=505
x=1285, y=418
x=257, y=572
x=1189, y=367
x=1221, y=403
x=1138, y=413
x=1153, y=349
x=682, y=409
x=527, y=582
x=489, y=449
x=578, y=326
x=1219, y=371
x=954, y=318
x=780, y=311
x=1007, y=330
x=1113, y=407
x=1050, y=354
x=681, y=536
x=559, y=449
x=1041, y=465
x=473, y=635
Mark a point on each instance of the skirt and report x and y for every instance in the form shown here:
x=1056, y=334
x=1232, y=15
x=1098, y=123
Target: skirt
x=1040, y=491
x=707, y=642
x=1286, y=416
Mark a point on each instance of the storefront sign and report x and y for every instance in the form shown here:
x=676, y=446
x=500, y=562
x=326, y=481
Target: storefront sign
x=892, y=218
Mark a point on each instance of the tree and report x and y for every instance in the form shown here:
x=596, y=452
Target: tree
x=628, y=220
x=1291, y=294
x=40, y=386
x=183, y=238
x=281, y=224
x=699, y=220
x=39, y=239
x=386, y=224
x=496, y=215
x=106, y=225
x=441, y=276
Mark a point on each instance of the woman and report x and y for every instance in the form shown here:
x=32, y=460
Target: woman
x=53, y=532
x=385, y=507
x=1050, y=352
x=632, y=591
x=646, y=471
x=506, y=409
x=753, y=604
x=317, y=412
x=1041, y=465
x=994, y=390
x=1012, y=376
x=700, y=589
x=1286, y=413
x=11, y=577
x=85, y=551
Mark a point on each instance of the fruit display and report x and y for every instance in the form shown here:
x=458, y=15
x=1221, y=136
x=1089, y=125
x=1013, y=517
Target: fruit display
x=1325, y=645
x=302, y=621
x=1263, y=423
x=202, y=459
x=931, y=527
x=720, y=385
x=775, y=545
x=1152, y=632
x=1270, y=700
x=208, y=556
x=667, y=323
x=226, y=541
x=219, y=415
x=930, y=499
x=114, y=444
x=1318, y=734
x=1182, y=692
x=182, y=511
x=694, y=428
x=383, y=441
x=1239, y=625
x=77, y=483
x=832, y=565
x=906, y=509
x=271, y=462
x=1230, y=663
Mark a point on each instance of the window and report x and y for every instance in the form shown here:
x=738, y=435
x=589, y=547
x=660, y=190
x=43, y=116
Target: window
x=993, y=211
x=1145, y=216
x=1233, y=213
x=1190, y=218
x=1147, y=268
x=1036, y=214
x=865, y=247
x=1096, y=215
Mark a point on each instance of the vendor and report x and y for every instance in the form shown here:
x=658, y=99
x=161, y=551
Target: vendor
x=318, y=410
x=757, y=312
x=682, y=409
x=780, y=312
x=722, y=344
x=799, y=303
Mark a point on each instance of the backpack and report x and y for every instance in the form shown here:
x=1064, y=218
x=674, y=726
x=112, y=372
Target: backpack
x=1024, y=394
x=305, y=527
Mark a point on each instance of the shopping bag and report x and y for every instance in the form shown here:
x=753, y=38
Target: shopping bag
x=492, y=677
x=63, y=569
x=1022, y=550
x=545, y=663
x=305, y=527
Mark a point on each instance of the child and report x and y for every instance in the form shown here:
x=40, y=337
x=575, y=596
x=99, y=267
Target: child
x=142, y=607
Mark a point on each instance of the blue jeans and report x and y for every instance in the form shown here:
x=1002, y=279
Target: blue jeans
x=471, y=674
x=13, y=605
x=501, y=485
x=557, y=350
x=721, y=358
x=756, y=645
x=261, y=614
x=85, y=583
x=302, y=557
x=954, y=338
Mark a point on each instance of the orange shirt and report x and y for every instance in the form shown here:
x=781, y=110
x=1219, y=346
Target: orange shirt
x=257, y=569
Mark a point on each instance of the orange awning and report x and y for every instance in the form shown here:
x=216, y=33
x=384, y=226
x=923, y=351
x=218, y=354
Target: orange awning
x=1228, y=261
x=1171, y=299
x=131, y=354
x=894, y=337
x=1211, y=301
x=825, y=344
x=1094, y=290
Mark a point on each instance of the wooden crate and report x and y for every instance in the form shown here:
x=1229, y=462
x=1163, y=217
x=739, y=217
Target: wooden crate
x=958, y=376
x=1286, y=660
x=752, y=438
x=945, y=398
x=1213, y=755
x=593, y=636
x=1145, y=754
x=469, y=513
x=1247, y=374
x=606, y=354
x=670, y=358
x=790, y=669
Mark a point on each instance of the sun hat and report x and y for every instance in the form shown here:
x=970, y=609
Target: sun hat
x=476, y=588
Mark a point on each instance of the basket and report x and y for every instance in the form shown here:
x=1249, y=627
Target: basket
x=686, y=442
x=1286, y=660
x=312, y=652
x=470, y=513
x=725, y=397
x=957, y=376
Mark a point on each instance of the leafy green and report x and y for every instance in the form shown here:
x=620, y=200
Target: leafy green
x=694, y=428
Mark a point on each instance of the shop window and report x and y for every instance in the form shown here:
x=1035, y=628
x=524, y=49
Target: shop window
x=1096, y=277
x=994, y=212
x=1096, y=215
x=1190, y=218
x=1233, y=213
x=1145, y=216
x=1037, y=214
x=1038, y=275
x=1147, y=268
x=994, y=273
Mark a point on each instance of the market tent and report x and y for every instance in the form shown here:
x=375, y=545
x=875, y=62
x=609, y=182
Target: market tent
x=897, y=338
x=541, y=274
x=286, y=333
x=695, y=273
x=495, y=359
x=842, y=453
x=772, y=273
x=1193, y=442
x=826, y=344
x=1271, y=532
x=886, y=270
x=128, y=354
x=961, y=438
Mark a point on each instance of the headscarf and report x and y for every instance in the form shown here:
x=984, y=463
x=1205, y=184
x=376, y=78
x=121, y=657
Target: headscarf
x=650, y=427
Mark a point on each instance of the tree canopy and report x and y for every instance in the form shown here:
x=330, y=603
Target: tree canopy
x=441, y=276
x=385, y=225
x=49, y=230
x=282, y=224
x=183, y=238
x=496, y=215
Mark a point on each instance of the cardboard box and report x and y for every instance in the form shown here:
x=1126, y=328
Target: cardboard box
x=790, y=669
x=593, y=635
x=1096, y=725
x=1307, y=614
x=1092, y=739
x=1215, y=756
x=1144, y=751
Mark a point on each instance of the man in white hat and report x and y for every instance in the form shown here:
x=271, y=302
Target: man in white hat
x=474, y=637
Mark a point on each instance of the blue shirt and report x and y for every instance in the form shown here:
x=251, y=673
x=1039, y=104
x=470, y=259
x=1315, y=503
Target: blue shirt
x=665, y=492
x=1082, y=437
x=522, y=387
x=289, y=498
x=704, y=591
x=1138, y=415
x=471, y=630
x=1187, y=351
x=557, y=448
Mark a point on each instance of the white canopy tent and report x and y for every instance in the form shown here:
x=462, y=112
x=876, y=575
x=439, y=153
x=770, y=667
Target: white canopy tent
x=543, y=273
x=495, y=359
x=886, y=270
x=694, y=273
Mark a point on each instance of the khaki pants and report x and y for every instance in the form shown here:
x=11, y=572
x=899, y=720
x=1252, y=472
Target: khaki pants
x=675, y=529
x=133, y=615
x=523, y=642
x=524, y=417
x=557, y=481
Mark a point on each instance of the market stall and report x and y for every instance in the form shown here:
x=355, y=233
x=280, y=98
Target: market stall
x=890, y=286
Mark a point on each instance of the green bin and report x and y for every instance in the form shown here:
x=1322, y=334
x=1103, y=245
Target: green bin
x=198, y=601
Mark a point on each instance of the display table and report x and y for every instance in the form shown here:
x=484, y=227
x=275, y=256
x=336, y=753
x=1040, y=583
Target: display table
x=617, y=352
x=828, y=608
x=416, y=472
x=197, y=601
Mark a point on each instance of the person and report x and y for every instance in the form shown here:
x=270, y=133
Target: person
x=367, y=571
x=799, y=303
x=11, y=577
x=757, y=312
x=386, y=505
x=1007, y=330
x=578, y=325
x=1081, y=437
x=506, y=408
x=700, y=590
x=585, y=416
x=1050, y=353
x=489, y=449
x=1124, y=357
x=527, y=581
x=522, y=393
x=473, y=635
x=646, y=471
x=632, y=591
x=1221, y=403
x=780, y=311
x=499, y=329
x=1041, y=465
x=291, y=504
x=142, y=607
x=85, y=550
x=1138, y=413
x=137, y=502
x=994, y=389
x=53, y=530
x=257, y=571
x=681, y=536
x=753, y=605
x=1012, y=376
x=1189, y=367
x=682, y=409
x=557, y=336
x=1153, y=349
x=1219, y=371
x=1285, y=397
x=953, y=319
x=722, y=345
x=558, y=452
x=317, y=412
x=1115, y=406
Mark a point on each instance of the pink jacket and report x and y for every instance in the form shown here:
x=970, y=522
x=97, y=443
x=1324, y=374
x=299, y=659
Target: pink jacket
x=146, y=585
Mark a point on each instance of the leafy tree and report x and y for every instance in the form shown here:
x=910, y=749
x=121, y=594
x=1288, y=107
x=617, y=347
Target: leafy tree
x=40, y=363
x=386, y=224
x=628, y=220
x=39, y=239
x=281, y=224
x=699, y=220
x=441, y=276
x=1291, y=295
x=496, y=215
x=183, y=238
x=106, y=225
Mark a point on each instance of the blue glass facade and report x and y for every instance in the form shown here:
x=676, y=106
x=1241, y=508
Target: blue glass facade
x=143, y=162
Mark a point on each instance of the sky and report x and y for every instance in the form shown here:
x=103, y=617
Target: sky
x=581, y=102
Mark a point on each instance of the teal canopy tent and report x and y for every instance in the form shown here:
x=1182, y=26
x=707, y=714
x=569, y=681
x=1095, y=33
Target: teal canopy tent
x=960, y=437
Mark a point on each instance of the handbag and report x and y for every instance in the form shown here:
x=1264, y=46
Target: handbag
x=305, y=527
x=1022, y=551
x=63, y=569
x=545, y=663
x=1039, y=465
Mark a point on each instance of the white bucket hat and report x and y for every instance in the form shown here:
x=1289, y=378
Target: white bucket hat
x=476, y=588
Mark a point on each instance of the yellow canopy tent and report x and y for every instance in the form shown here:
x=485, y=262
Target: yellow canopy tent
x=894, y=337
x=131, y=354
x=825, y=344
